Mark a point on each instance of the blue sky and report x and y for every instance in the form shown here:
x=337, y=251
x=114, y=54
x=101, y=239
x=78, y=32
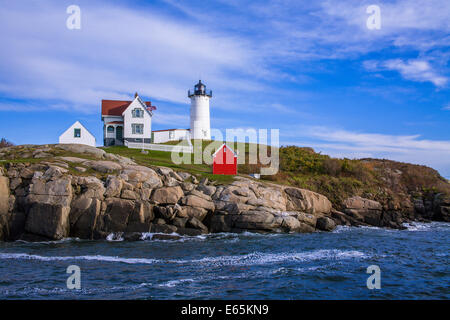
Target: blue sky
x=309, y=68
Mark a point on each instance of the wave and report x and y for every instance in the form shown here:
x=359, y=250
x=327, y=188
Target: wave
x=31, y=292
x=173, y=283
x=426, y=226
x=259, y=258
x=87, y=258
x=52, y=241
x=255, y=258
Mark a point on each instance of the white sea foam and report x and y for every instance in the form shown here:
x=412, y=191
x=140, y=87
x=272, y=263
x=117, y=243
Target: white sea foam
x=33, y=291
x=259, y=258
x=115, y=236
x=88, y=258
x=173, y=283
x=424, y=226
x=255, y=258
x=53, y=241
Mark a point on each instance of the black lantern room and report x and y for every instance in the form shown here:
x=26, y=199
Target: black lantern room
x=200, y=90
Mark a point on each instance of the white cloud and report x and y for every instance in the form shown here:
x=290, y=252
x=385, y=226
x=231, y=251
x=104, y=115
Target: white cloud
x=413, y=69
x=117, y=51
x=446, y=108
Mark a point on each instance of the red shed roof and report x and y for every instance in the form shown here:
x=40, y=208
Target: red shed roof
x=224, y=146
x=117, y=107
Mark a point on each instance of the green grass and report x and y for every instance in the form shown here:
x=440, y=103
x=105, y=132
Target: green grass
x=162, y=158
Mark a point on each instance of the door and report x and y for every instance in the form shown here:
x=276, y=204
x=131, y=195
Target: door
x=119, y=133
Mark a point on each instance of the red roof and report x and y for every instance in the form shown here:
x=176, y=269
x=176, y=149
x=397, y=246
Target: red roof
x=117, y=107
x=115, y=122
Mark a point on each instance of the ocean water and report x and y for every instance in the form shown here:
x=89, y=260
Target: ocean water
x=414, y=264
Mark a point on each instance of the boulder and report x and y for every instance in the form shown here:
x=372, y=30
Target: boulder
x=197, y=202
x=159, y=221
x=16, y=224
x=83, y=149
x=104, y=166
x=366, y=210
x=4, y=195
x=83, y=217
x=361, y=203
x=137, y=175
x=132, y=236
x=180, y=222
x=48, y=220
x=164, y=171
x=325, y=224
x=143, y=212
x=190, y=232
x=129, y=194
x=113, y=186
x=307, y=201
x=184, y=175
x=221, y=223
x=306, y=218
x=167, y=195
x=256, y=220
x=72, y=159
x=117, y=214
x=165, y=237
x=166, y=213
x=163, y=228
x=61, y=186
x=175, y=175
x=187, y=186
x=196, y=224
x=15, y=182
x=91, y=187
x=208, y=190
x=196, y=212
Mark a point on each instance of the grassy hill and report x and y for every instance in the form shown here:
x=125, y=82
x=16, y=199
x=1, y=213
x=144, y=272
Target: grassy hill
x=389, y=182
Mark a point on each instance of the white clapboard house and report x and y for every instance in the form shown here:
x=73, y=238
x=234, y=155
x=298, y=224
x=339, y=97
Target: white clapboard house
x=78, y=134
x=127, y=122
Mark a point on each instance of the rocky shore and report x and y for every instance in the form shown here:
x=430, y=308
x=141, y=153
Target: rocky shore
x=91, y=194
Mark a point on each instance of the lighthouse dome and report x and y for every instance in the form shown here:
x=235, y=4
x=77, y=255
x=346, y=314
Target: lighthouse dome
x=200, y=90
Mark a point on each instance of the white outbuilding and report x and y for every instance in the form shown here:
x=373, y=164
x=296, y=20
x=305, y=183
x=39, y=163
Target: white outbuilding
x=78, y=134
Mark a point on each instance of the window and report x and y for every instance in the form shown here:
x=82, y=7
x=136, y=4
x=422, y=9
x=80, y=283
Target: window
x=77, y=133
x=171, y=134
x=137, y=113
x=137, y=128
x=110, y=129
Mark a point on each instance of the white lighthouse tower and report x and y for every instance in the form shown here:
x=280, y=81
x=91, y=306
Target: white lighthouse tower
x=200, y=125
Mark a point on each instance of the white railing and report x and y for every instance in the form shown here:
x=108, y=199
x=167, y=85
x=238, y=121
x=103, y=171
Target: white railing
x=159, y=147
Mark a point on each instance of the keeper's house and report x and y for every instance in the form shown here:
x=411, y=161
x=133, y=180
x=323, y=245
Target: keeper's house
x=127, y=122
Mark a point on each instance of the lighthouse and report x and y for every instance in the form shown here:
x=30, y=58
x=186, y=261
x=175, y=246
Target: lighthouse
x=200, y=124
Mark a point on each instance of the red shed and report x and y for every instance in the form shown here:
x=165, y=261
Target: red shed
x=224, y=161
